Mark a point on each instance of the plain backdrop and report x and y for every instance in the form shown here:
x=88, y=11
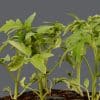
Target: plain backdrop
x=47, y=10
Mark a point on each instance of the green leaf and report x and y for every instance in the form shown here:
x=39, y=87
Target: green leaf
x=21, y=47
x=29, y=20
x=38, y=61
x=16, y=63
x=2, y=47
x=86, y=83
x=11, y=26
x=72, y=41
x=28, y=37
x=44, y=29
x=5, y=59
x=22, y=82
x=73, y=15
x=33, y=77
x=79, y=51
x=58, y=42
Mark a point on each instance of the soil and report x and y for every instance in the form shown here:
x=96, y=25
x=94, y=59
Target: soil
x=56, y=94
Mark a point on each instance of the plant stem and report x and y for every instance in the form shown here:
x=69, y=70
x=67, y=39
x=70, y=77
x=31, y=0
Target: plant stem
x=94, y=78
x=78, y=68
x=94, y=88
x=41, y=89
x=88, y=66
x=17, y=84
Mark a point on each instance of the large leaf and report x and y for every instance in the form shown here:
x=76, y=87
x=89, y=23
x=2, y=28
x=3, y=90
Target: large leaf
x=17, y=62
x=11, y=26
x=38, y=61
x=29, y=20
x=21, y=47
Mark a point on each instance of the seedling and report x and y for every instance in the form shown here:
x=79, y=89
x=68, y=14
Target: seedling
x=45, y=39
x=84, y=35
x=15, y=32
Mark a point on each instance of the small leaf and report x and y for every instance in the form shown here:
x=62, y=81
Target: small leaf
x=33, y=77
x=38, y=61
x=7, y=58
x=86, y=83
x=22, y=82
x=58, y=42
x=73, y=15
x=21, y=47
x=43, y=29
x=4, y=60
x=11, y=26
x=16, y=63
x=29, y=20
x=28, y=37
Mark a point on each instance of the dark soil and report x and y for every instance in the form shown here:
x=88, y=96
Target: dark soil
x=57, y=95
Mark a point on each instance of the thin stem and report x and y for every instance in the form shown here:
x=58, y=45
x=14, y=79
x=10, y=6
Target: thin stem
x=53, y=68
x=78, y=69
x=88, y=66
x=40, y=88
x=17, y=84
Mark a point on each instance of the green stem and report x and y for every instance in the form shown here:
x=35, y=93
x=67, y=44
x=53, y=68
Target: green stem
x=88, y=66
x=94, y=78
x=78, y=69
x=94, y=88
x=41, y=89
x=17, y=84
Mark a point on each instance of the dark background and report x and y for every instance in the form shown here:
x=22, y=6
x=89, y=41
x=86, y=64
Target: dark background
x=47, y=10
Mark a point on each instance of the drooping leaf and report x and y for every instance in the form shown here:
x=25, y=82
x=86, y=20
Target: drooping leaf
x=38, y=61
x=11, y=26
x=21, y=47
x=29, y=20
x=17, y=62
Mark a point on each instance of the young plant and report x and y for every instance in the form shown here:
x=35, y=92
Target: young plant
x=15, y=32
x=43, y=41
x=74, y=47
x=85, y=34
x=94, y=27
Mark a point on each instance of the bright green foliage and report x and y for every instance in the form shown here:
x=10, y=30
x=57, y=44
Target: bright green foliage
x=2, y=47
x=29, y=21
x=17, y=62
x=21, y=47
x=72, y=84
x=11, y=26
x=38, y=61
x=35, y=45
x=6, y=59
